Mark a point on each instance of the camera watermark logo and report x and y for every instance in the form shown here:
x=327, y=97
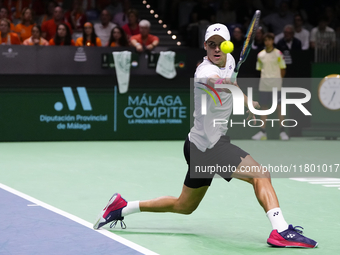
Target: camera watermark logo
x=204, y=97
x=238, y=102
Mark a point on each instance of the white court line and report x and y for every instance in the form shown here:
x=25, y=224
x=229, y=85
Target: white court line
x=104, y=232
x=315, y=179
x=326, y=182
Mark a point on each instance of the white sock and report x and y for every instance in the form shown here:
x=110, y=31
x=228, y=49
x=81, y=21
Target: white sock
x=276, y=219
x=131, y=207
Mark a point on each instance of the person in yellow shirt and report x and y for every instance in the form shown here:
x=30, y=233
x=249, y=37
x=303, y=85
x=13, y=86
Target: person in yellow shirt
x=89, y=37
x=24, y=28
x=272, y=65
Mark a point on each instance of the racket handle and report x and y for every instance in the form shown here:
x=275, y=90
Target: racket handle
x=233, y=76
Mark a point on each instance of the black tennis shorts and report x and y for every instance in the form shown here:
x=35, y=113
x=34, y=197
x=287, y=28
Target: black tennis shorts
x=223, y=158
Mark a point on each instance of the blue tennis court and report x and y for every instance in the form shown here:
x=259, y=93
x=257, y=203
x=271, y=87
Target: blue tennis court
x=31, y=228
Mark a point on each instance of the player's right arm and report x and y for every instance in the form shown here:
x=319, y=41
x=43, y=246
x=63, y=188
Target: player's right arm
x=209, y=74
x=215, y=79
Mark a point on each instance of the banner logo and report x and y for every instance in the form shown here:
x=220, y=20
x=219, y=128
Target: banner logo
x=80, y=55
x=71, y=102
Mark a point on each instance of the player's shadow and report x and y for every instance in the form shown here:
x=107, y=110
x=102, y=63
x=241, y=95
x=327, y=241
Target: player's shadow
x=230, y=240
x=169, y=233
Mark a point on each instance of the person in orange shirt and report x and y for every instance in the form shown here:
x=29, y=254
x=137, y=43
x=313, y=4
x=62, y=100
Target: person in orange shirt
x=36, y=38
x=49, y=27
x=118, y=38
x=4, y=15
x=7, y=37
x=17, y=6
x=76, y=16
x=48, y=12
x=144, y=40
x=62, y=36
x=91, y=38
x=24, y=28
x=132, y=27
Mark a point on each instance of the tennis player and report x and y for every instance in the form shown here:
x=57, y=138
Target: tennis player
x=209, y=142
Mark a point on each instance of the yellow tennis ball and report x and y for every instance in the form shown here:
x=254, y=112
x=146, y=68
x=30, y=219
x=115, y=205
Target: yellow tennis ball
x=227, y=47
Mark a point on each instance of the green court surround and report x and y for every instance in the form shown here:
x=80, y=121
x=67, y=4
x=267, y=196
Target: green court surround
x=80, y=177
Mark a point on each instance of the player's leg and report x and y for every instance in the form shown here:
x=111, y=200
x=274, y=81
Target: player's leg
x=186, y=203
x=193, y=192
x=262, y=134
x=118, y=208
x=283, y=134
x=283, y=235
x=261, y=182
x=264, y=118
x=264, y=101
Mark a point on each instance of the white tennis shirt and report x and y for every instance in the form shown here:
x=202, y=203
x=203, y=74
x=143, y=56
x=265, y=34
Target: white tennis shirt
x=204, y=134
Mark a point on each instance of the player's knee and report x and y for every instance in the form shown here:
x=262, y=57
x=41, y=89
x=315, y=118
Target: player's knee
x=265, y=173
x=260, y=173
x=260, y=181
x=186, y=209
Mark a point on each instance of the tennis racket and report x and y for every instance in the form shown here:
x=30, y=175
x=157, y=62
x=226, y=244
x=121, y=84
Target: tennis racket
x=254, y=24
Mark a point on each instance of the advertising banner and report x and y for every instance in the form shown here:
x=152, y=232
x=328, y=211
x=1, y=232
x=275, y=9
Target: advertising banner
x=80, y=113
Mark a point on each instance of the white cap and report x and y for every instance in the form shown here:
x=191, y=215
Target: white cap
x=217, y=29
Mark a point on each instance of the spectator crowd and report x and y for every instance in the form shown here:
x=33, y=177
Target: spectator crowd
x=296, y=24
x=293, y=22
x=102, y=23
